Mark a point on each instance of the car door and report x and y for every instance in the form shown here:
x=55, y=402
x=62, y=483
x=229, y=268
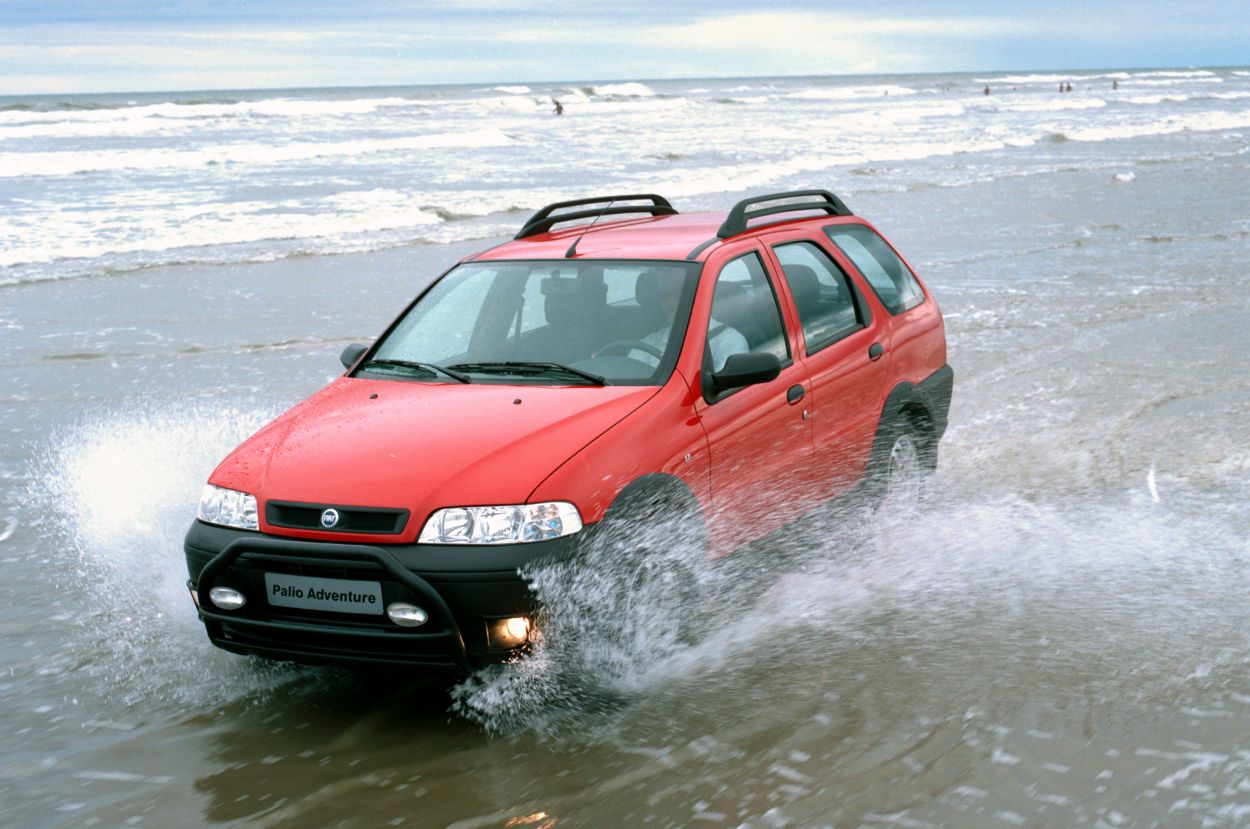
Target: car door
x=844, y=346
x=759, y=436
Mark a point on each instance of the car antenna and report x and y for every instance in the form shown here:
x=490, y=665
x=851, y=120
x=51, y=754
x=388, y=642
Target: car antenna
x=572, y=251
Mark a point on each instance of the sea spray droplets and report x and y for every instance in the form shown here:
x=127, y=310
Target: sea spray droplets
x=613, y=618
x=118, y=492
x=1127, y=589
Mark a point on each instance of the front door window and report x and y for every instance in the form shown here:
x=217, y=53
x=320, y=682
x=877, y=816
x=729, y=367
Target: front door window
x=745, y=314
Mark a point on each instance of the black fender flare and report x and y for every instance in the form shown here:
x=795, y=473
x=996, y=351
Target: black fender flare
x=654, y=491
x=926, y=404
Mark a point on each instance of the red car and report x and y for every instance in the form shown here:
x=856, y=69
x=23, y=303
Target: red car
x=738, y=370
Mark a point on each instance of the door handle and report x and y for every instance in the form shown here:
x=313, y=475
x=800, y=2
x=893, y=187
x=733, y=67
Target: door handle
x=795, y=394
x=875, y=351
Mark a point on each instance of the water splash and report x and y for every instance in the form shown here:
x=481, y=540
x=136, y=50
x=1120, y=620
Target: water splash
x=117, y=493
x=1121, y=597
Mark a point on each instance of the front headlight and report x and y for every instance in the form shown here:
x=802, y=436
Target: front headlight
x=228, y=508
x=512, y=524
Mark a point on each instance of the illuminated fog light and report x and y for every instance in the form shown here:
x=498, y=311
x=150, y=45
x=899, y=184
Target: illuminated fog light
x=227, y=598
x=509, y=633
x=406, y=615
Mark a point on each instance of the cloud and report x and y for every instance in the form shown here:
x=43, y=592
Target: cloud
x=197, y=44
x=808, y=30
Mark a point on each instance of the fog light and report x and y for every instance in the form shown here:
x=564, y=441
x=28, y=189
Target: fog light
x=406, y=615
x=227, y=598
x=509, y=633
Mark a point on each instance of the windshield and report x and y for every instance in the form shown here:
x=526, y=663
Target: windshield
x=550, y=322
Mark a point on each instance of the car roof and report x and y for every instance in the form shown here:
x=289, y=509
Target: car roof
x=675, y=236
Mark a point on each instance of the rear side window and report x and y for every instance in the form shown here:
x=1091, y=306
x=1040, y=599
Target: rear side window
x=897, y=289
x=822, y=294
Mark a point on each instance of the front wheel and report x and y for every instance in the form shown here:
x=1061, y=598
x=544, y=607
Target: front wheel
x=659, y=551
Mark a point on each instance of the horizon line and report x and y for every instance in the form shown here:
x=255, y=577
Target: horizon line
x=643, y=80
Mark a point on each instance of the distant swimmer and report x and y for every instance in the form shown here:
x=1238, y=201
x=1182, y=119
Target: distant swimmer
x=1115, y=84
x=1068, y=88
x=987, y=90
x=559, y=110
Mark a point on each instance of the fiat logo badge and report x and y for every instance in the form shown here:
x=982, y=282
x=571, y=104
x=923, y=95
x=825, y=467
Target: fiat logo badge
x=330, y=518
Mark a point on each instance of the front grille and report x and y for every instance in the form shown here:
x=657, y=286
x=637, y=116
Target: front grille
x=299, y=516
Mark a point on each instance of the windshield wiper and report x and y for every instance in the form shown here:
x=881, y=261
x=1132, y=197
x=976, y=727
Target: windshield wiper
x=533, y=366
x=433, y=368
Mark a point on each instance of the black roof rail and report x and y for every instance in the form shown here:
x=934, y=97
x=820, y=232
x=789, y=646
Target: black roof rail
x=543, y=220
x=739, y=216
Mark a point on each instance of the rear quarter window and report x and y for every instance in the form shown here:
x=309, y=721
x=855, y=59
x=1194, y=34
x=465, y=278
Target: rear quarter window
x=889, y=278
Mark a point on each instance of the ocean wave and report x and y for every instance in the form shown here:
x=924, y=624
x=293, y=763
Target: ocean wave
x=1044, y=78
x=906, y=113
x=849, y=93
x=1154, y=100
x=202, y=109
x=1179, y=76
x=64, y=163
x=1196, y=122
x=1056, y=105
x=511, y=90
x=632, y=90
x=1175, y=73
x=1174, y=81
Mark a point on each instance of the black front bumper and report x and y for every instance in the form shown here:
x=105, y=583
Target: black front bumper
x=461, y=588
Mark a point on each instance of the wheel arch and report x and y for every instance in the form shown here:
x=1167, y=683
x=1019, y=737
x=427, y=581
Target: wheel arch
x=908, y=401
x=655, y=488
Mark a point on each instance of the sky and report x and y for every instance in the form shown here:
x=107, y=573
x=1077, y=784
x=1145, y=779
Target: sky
x=78, y=46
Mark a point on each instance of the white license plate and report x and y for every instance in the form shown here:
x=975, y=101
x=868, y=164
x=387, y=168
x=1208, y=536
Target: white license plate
x=334, y=595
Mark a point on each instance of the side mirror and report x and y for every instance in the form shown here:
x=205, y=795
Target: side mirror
x=351, y=354
x=746, y=370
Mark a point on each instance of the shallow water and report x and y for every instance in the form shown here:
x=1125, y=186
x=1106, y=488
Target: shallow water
x=1058, y=638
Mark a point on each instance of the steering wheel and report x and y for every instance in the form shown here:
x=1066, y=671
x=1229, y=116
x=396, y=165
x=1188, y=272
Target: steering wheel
x=626, y=346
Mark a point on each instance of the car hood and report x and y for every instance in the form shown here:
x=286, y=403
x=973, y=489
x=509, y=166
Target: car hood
x=421, y=446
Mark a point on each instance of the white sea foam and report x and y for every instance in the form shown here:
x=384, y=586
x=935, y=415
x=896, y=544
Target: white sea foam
x=632, y=89
x=849, y=93
x=1173, y=73
x=907, y=113
x=16, y=164
x=1175, y=81
x=1056, y=105
x=294, y=107
x=1203, y=122
x=1153, y=100
x=1040, y=78
x=511, y=90
x=69, y=236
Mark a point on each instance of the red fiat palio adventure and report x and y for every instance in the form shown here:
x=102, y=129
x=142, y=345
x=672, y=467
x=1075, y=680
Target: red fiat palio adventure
x=741, y=369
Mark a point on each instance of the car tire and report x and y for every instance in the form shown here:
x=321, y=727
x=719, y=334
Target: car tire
x=662, y=565
x=900, y=467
